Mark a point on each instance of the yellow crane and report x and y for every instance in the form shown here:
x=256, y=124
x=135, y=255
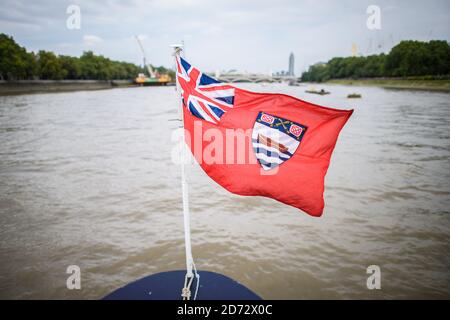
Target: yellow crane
x=154, y=78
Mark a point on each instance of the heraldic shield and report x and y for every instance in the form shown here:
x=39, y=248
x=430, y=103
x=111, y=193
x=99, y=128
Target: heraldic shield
x=275, y=139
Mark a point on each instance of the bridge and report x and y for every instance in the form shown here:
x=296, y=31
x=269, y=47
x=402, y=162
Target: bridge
x=252, y=77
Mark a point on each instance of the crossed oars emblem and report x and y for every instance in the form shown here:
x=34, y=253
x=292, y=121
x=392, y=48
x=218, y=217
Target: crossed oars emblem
x=281, y=122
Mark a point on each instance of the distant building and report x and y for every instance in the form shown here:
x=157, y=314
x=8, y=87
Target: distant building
x=354, y=50
x=291, y=65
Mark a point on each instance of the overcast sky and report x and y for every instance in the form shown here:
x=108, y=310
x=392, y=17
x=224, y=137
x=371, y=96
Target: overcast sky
x=253, y=36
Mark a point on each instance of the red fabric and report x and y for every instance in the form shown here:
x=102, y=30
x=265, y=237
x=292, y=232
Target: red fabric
x=299, y=181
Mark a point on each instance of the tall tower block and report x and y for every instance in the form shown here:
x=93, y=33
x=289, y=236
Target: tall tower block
x=291, y=65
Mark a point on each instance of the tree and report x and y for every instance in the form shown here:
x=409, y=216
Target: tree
x=72, y=66
x=49, y=66
x=15, y=62
x=415, y=58
x=408, y=58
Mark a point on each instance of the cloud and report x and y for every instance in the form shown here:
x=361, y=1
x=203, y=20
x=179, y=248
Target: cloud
x=90, y=40
x=253, y=35
x=142, y=37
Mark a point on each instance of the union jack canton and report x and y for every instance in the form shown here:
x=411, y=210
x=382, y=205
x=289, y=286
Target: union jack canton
x=205, y=97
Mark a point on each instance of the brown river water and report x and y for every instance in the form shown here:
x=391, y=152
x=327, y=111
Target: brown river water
x=86, y=179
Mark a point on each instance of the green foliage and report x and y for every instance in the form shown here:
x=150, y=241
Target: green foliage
x=16, y=64
x=72, y=66
x=415, y=58
x=49, y=66
x=408, y=58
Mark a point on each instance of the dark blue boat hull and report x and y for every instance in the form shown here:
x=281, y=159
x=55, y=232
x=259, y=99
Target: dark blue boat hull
x=168, y=285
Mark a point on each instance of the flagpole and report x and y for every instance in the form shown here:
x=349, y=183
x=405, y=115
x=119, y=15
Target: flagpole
x=184, y=187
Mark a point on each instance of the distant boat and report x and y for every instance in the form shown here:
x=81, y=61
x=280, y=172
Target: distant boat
x=153, y=78
x=158, y=80
x=354, y=96
x=321, y=92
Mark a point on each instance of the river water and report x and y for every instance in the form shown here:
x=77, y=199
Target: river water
x=86, y=179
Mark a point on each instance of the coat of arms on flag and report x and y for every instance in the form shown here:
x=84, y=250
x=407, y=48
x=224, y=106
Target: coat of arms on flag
x=275, y=139
x=292, y=135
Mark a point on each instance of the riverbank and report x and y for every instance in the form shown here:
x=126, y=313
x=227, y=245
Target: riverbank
x=407, y=84
x=39, y=86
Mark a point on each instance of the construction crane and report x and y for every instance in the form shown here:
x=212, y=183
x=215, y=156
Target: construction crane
x=150, y=70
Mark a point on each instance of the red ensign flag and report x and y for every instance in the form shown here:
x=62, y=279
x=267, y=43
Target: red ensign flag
x=259, y=144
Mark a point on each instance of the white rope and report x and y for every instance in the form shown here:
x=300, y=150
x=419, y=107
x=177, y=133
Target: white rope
x=197, y=282
x=186, y=291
